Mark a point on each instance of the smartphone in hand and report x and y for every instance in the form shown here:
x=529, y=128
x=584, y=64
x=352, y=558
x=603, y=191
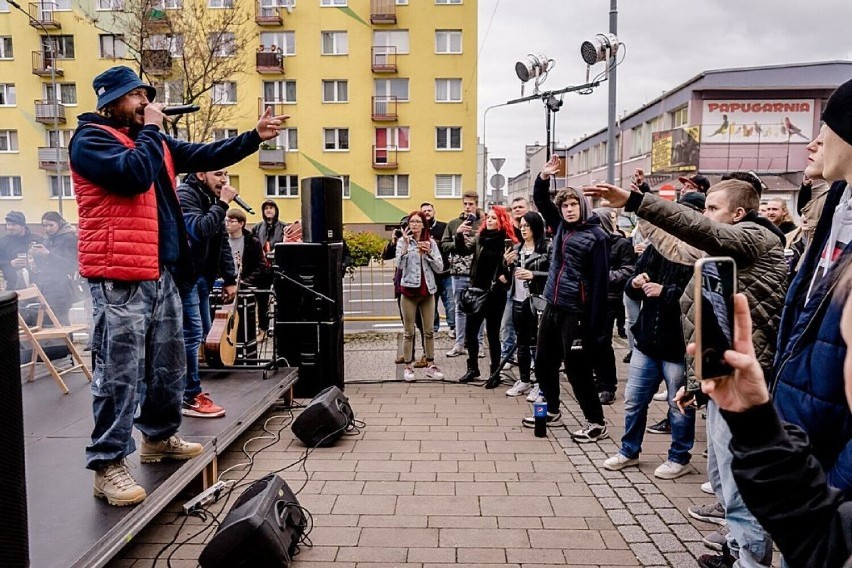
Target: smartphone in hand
x=715, y=286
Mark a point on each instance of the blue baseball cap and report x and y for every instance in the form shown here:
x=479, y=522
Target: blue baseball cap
x=116, y=82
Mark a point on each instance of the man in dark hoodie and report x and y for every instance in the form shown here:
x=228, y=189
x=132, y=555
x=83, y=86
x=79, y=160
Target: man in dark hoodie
x=134, y=251
x=574, y=321
x=204, y=199
x=269, y=232
x=13, y=250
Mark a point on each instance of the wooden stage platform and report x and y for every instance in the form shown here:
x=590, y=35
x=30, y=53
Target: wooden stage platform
x=68, y=526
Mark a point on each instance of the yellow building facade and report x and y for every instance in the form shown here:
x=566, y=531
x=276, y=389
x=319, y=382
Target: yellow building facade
x=379, y=92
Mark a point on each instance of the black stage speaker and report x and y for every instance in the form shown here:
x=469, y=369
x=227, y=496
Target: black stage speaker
x=261, y=530
x=325, y=419
x=316, y=349
x=14, y=545
x=322, y=209
x=316, y=266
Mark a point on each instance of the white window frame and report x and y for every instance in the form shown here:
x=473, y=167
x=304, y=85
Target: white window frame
x=347, y=185
x=445, y=87
x=10, y=187
x=397, y=186
x=109, y=46
x=228, y=88
x=7, y=53
x=444, y=40
x=393, y=138
x=285, y=41
x=339, y=42
x=168, y=4
x=8, y=92
x=453, y=181
x=291, y=186
x=402, y=2
x=334, y=3
x=388, y=89
x=448, y=2
x=65, y=90
x=287, y=140
x=173, y=43
x=110, y=6
x=67, y=186
x=4, y=6
x=220, y=4
x=222, y=43
x=224, y=133
x=340, y=139
x=64, y=138
x=398, y=39
x=282, y=91
x=9, y=138
x=335, y=85
x=448, y=138
x=61, y=43
x=170, y=92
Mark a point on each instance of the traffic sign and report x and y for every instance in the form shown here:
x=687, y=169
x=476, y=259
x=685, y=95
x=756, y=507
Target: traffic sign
x=498, y=163
x=498, y=181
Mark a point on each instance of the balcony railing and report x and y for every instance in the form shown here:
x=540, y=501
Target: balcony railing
x=266, y=15
x=47, y=158
x=269, y=62
x=157, y=61
x=384, y=108
x=384, y=59
x=383, y=11
x=385, y=157
x=272, y=158
x=157, y=18
x=48, y=112
x=278, y=107
x=44, y=63
x=42, y=15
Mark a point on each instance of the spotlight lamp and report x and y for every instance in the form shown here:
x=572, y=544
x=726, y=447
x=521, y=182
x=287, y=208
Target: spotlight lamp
x=600, y=48
x=533, y=66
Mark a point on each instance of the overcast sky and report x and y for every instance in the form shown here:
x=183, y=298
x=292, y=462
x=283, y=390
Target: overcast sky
x=668, y=42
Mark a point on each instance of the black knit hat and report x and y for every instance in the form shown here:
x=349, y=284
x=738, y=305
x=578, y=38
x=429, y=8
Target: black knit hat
x=838, y=112
x=694, y=199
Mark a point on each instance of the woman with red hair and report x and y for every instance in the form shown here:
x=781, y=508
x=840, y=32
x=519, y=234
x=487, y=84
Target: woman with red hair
x=487, y=271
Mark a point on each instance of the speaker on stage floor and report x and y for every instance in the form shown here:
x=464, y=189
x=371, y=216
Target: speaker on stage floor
x=262, y=529
x=325, y=419
x=316, y=349
x=322, y=209
x=316, y=266
x=14, y=546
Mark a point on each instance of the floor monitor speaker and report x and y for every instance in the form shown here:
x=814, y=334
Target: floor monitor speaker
x=324, y=419
x=322, y=209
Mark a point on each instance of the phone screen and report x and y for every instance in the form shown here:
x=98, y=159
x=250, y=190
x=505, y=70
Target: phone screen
x=508, y=244
x=716, y=320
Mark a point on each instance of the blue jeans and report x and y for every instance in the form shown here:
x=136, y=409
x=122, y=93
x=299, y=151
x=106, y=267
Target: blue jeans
x=204, y=305
x=747, y=538
x=445, y=293
x=643, y=380
x=460, y=284
x=507, y=329
x=631, y=308
x=195, y=306
x=141, y=362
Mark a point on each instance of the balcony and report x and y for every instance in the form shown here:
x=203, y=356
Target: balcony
x=47, y=158
x=49, y=112
x=278, y=107
x=384, y=108
x=266, y=15
x=157, y=61
x=272, y=158
x=157, y=19
x=269, y=62
x=384, y=59
x=42, y=15
x=44, y=64
x=383, y=11
x=385, y=158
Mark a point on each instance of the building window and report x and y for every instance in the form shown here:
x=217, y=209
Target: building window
x=7, y=94
x=392, y=138
x=640, y=139
x=59, y=138
x=173, y=43
x=392, y=88
x=225, y=93
x=10, y=187
x=448, y=138
x=448, y=185
x=392, y=38
x=221, y=44
x=168, y=4
x=112, y=46
x=335, y=43
x=347, y=191
x=272, y=41
x=287, y=139
x=67, y=93
x=223, y=133
x=170, y=92
x=395, y=185
x=448, y=90
x=680, y=117
x=220, y=4
x=279, y=92
x=335, y=91
x=282, y=186
x=333, y=3
x=64, y=46
x=448, y=1
x=6, y=47
x=111, y=5
x=8, y=140
x=336, y=138
x=67, y=186
x=448, y=41
x=4, y=6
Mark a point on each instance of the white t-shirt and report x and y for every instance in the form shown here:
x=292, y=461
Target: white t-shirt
x=522, y=290
x=838, y=238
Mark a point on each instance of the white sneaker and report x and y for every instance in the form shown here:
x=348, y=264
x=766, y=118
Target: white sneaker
x=671, y=470
x=534, y=394
x=456, y=351
x=662, y=396
x=408, y=375
x=707, y=487
x=520, y=388
x=433, y=372
x=619, y=461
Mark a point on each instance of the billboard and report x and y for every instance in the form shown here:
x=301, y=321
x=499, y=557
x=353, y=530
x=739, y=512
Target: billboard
x=675, y=150
x=757, y=121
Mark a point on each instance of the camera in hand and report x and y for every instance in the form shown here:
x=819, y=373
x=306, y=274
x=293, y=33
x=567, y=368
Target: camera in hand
x=715, y=286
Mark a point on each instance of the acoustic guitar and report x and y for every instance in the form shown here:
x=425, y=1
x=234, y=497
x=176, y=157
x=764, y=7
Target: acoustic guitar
x=220, y=346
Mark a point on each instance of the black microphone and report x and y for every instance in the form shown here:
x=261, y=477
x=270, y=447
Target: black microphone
x=239, y=201
x=180, y=109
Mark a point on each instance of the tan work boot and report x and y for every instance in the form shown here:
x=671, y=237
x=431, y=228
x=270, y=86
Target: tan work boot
x=173, y=448
x=115, y=484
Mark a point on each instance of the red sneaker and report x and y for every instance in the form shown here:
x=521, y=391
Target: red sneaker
x=202, y=407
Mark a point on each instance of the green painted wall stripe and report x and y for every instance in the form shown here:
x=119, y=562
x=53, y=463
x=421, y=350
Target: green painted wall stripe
x=348, y=11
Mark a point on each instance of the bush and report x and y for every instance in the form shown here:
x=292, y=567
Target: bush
x=364, y=246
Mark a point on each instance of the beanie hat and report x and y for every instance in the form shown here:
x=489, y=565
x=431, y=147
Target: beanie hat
x=16, y=217
x=116, y=82
x=837, y=114
x=695, y=200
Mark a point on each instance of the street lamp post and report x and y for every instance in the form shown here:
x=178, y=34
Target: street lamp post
x=485, y=151
x=611, y=118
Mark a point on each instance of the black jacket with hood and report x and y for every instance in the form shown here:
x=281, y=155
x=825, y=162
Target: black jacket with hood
x=269, y=231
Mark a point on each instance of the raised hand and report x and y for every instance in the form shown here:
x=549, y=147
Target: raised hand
x=269, y=126
x=551, y=168
x=616, y=196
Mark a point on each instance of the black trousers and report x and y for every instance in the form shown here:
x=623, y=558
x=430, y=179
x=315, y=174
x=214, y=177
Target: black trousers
x=492, y=314
x=556, y=334
x=526, y=331
x=607, y=380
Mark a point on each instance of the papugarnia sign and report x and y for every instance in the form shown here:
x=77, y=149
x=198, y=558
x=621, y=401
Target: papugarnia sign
x=757, y=121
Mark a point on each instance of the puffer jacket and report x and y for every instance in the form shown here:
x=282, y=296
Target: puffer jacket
x=460, y=263
x=622, y=263
x=808, y=388
x=410, y=262
x=758, y=252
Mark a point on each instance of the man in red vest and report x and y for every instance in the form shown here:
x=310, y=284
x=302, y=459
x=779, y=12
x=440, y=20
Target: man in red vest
x=133, y=250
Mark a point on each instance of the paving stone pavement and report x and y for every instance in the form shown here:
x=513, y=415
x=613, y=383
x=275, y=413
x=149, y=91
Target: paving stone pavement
x=443, y=474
